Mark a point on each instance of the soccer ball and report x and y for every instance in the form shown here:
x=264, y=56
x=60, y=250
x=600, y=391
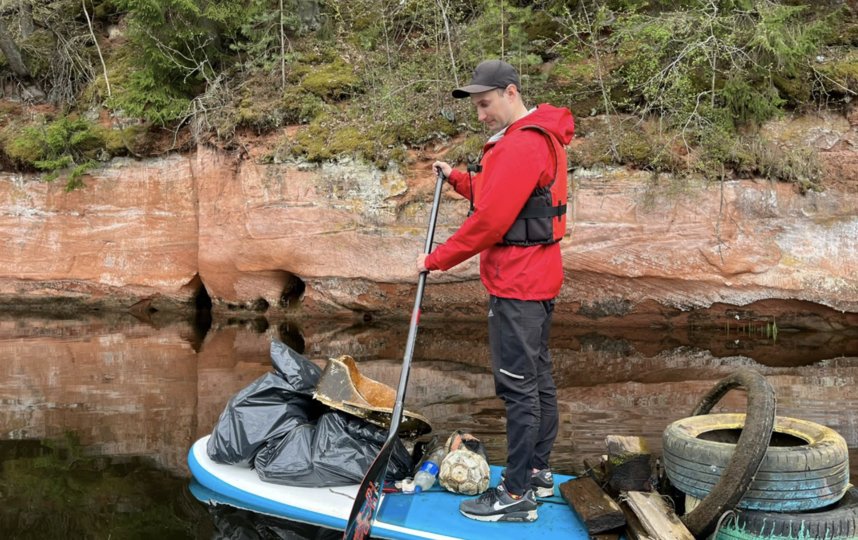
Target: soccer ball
x=463, y=471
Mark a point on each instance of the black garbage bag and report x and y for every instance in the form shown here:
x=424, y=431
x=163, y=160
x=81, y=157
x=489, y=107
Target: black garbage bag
x=300, y=374
x=337, y=451
x=269, y=408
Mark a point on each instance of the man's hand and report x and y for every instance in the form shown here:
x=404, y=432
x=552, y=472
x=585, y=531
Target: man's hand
x=442, y=167
x=421, y=263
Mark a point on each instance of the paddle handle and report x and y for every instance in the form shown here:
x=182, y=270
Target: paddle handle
x=415, y=316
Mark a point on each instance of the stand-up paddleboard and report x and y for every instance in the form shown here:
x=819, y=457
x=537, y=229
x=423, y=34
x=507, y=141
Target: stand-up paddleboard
x=433, y=514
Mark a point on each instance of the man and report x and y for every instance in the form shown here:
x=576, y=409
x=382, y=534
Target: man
x=518, y=202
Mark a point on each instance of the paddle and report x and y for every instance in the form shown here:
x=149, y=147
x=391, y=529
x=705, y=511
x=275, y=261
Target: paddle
x=369, y=494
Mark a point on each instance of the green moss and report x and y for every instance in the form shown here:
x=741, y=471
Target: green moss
x=346, y=140
x=635, y=148
x=334, y=81
x=312, y=142
x=333, y=134
x=40, y=46
x=67, y=145
x=418, y=130
x=300, y=107
x=22, y=145
x=794, y=90
x=113, y=140
x=468, y=150
x=840, y=73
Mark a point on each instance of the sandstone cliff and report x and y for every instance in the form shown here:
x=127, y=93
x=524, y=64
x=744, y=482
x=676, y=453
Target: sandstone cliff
x=341, y=238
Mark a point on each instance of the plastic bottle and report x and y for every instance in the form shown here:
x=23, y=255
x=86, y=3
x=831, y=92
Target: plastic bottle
x=425, y=477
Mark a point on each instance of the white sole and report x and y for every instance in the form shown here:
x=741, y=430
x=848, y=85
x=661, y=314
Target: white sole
x=511, y=517
x=544, y=492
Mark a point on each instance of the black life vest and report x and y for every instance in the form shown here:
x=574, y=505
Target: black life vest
x=542, y=220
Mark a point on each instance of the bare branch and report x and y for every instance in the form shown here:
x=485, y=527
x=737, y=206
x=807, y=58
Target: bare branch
x=97, y=47
x=450, y=42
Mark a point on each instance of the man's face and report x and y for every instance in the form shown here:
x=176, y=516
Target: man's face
x=494, y=108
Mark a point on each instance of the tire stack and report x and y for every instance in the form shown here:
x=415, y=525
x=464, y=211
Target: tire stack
x=798, y=489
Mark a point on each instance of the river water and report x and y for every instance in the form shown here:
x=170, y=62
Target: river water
x=97, y=413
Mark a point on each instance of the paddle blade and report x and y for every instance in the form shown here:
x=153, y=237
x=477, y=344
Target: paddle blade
x=369, y=495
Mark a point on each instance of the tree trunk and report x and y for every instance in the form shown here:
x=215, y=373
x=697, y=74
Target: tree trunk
x=12, y=52
x=26, y=18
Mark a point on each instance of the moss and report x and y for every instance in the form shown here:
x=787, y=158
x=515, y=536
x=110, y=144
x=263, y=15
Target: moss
x=300, y=107
x=840, y=73
x=795, y=90
x=634, y=148
x=418, y=130
x=39, y=46
x=332, y=134
x=646, y=148
x=468, y=150
x=752, y=156
x=312, y=142
x=22, y=145
x=113, y=140
x=346, y=140
x=67, y=145
x=334, y=81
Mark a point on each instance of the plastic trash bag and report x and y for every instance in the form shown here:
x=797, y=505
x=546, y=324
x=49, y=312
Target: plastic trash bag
x=300, y=374
x=337, y=451
x=269, y=408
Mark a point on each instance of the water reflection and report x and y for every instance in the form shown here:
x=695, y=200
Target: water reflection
x=97, y=414
x=53, y=489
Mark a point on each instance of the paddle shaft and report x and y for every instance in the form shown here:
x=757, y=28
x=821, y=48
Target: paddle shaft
x=369, y=494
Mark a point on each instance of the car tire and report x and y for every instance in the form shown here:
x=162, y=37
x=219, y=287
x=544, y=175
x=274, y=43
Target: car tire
x=811, y=472
x=746, y=454
x=835, y=522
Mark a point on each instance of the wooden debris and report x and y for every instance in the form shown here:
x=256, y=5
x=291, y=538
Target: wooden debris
x=634, y=528
x=657, y=518
x=597, y=510
x=629, y=465
x=595, y=470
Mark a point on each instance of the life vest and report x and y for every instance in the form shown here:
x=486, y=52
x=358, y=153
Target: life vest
x=542, y=220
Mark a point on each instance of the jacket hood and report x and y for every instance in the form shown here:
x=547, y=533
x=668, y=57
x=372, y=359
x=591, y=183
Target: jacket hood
x=556, y=120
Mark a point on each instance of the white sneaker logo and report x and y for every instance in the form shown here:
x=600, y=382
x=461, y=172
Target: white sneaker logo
x=500, y=506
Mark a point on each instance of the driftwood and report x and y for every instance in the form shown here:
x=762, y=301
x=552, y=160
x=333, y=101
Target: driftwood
x=597, y=510
x=657, y=518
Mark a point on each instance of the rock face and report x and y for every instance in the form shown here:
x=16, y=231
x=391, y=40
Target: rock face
x=342, y=238
x=130, y=234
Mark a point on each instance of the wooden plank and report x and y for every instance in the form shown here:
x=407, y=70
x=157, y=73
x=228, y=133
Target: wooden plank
x=597, y=510
x=657, y=518
x=629, y=465
x=634, y=528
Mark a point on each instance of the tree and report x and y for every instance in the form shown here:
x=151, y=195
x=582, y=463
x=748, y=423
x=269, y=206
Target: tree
x=12, y=52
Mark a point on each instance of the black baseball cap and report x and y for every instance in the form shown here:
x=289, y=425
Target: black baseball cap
x=488, y=75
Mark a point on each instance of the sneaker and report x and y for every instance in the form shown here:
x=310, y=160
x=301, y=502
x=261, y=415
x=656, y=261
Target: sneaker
x=496, y=504
x=541, y=482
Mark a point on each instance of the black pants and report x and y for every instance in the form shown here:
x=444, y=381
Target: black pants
x=521, y=363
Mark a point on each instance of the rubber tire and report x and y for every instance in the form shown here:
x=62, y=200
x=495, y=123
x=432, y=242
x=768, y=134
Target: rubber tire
x=836, y=522
x=748, y=452
x=789, y=479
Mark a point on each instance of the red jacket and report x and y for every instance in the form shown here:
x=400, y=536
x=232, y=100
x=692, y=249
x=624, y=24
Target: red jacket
x=512, y=168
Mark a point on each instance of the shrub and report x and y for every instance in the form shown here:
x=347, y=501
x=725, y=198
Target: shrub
x=66, y=145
